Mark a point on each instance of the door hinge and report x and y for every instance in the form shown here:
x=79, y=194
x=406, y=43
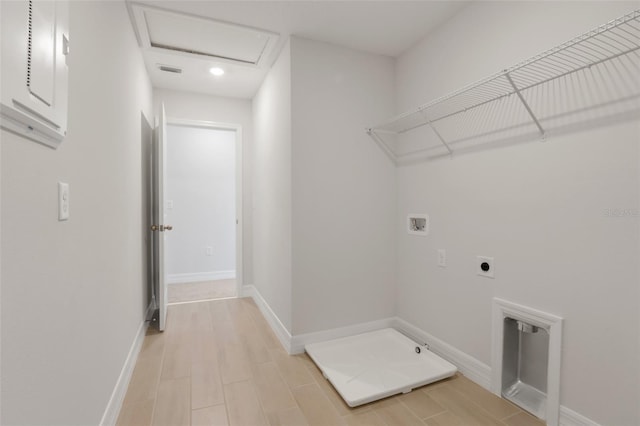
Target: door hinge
x=161, y=228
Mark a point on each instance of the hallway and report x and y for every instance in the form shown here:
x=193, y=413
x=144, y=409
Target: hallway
x=219, y=363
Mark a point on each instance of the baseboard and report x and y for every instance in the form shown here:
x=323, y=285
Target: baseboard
x=299, y=341
x=200, y=276
x=468, y=365
x=571, y=418
x=295, y=344
x=248, y=290
x=111, y=412
x=274, y=322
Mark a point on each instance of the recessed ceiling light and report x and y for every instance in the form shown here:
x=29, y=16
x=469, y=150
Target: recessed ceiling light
x=216, y=71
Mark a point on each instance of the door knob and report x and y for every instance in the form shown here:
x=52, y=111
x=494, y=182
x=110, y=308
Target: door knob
x=168, y=227
x=154, y=227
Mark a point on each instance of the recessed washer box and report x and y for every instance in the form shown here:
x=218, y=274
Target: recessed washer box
x=371, y=366
x=418, y=224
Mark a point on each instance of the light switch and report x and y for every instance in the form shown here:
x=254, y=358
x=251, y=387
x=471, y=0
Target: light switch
x=63, y=201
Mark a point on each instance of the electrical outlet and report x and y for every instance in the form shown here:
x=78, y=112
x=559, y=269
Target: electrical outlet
x=208, y=251
x=442, y=258
x=485, y=266
x=169, y=204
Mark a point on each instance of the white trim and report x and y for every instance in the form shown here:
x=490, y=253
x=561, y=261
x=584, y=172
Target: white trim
x=112, y=411
x=239, y=210
x=248, y=291
x=571, y=418
x=202, y=123
x=276, y=325
x=468, y=365
x=301, y=340
x=551, y=323
x=201, y=300
x=239, y=185
x=200, y=276
x=139, y=22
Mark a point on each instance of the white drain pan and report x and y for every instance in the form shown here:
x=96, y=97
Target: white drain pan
x=375, y=365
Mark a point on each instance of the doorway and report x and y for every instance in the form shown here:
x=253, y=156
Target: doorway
x=203, y=193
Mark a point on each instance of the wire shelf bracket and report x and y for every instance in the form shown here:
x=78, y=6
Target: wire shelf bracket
x=595, y=70
x=525, y=104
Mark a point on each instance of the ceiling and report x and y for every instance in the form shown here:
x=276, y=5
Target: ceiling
x=382, y=27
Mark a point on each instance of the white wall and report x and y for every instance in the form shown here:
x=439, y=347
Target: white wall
x=538, y=208
x=191, y=106
x=272, y=188
x=201, y=185
x=343, y=187
x=72, y=292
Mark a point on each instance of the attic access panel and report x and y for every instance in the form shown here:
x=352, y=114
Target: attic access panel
x=181, y=33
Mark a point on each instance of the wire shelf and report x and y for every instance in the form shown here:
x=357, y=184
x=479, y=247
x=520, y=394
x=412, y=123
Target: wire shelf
x=593, y=78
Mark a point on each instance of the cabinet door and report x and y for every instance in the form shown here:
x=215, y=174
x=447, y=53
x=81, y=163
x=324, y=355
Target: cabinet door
x=34, y=41
x=41, y=50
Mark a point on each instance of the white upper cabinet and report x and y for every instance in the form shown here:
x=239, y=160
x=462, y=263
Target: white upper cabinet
x=35, y=48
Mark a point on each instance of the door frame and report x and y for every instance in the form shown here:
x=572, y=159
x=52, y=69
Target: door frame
x=173, y=121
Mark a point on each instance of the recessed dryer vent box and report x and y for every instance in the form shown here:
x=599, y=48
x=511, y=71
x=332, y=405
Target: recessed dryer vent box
x=418, y=224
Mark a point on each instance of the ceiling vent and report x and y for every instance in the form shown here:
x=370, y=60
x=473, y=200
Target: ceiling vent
x=168, y=68
x=173, y=32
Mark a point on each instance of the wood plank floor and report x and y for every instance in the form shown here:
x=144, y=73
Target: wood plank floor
x=218, y=363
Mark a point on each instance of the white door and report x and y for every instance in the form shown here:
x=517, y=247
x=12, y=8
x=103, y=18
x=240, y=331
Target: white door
x=158, y=228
